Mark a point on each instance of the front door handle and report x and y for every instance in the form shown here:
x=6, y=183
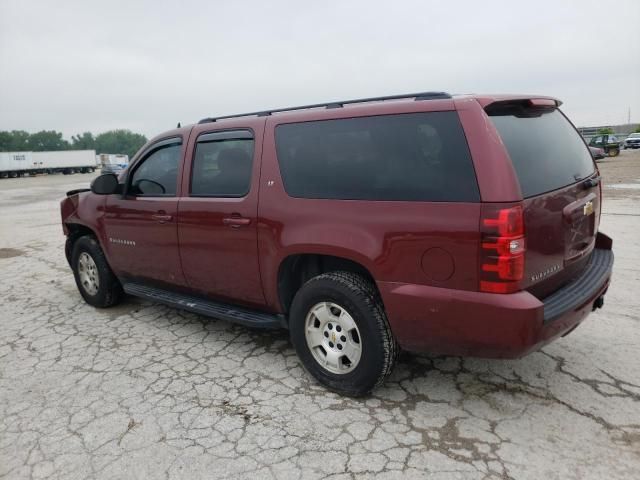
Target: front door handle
x=161, y=217
x=236, y=221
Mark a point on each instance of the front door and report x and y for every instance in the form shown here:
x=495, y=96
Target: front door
x=217, y=217
x=141, y=225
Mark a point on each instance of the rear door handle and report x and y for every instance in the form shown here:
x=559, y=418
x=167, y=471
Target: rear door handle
x=161, y=217
x=236, y=222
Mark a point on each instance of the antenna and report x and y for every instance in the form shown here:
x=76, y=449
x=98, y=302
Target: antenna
x=178, y=125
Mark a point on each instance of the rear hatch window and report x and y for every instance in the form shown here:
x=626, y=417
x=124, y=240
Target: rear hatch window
x=561, y=210
x=546, y=151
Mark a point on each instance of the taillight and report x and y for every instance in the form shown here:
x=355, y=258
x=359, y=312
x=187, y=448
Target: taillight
x=502, y=248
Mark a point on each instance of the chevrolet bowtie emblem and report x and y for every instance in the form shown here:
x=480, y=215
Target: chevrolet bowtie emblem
x=588, y=208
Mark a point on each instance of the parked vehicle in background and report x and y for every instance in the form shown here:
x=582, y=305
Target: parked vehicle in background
x=463, y=225
x=113, y=163
x=609, y=143
x=597, y=153
x=632, y=141
x=17, y=164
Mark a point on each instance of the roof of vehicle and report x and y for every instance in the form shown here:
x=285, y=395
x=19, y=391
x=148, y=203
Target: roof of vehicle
x=433, y=101
x=436, y=101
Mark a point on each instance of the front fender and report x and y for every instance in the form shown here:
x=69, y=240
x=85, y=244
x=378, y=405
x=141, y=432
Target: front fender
x=81, y=213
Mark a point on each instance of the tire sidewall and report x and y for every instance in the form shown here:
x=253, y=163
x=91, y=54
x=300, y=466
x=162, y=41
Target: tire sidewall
x=367, y=373
x=90, y=246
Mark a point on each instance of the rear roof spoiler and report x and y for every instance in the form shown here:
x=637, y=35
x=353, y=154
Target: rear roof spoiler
x=486, y=100
x=522, y=107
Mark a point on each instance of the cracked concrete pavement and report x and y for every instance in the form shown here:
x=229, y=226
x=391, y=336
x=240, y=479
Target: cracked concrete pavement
x=146, y=391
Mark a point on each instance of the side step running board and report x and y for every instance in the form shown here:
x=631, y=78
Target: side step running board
x=231, y=313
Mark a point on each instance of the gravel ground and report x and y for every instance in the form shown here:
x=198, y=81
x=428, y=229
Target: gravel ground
x=146, y=391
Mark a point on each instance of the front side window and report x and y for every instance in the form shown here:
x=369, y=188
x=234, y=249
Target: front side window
x=157, y=175
x=222, y=168
x=406, y=157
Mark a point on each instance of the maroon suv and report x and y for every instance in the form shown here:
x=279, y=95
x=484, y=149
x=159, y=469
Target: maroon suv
x=463, y=225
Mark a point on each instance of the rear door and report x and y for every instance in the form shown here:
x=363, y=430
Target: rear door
x=218, y=212
x=560, y=185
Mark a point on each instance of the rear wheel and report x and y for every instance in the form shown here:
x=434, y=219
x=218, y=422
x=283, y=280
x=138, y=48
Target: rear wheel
x=613, y=152
x=341, y=334
x=95, y=280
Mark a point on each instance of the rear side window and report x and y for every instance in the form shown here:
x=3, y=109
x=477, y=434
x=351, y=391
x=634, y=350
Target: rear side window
x=409, y=157
x=546, y=151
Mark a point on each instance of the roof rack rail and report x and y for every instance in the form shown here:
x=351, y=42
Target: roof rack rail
x=340, y=104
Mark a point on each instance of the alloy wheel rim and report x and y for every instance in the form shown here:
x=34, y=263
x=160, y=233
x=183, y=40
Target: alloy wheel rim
x=333, y=338
x=88, y=273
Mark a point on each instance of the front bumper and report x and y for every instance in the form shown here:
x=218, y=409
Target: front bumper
x=457, y=322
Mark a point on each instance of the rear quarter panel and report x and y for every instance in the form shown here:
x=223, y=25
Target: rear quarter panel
x=497, y=179
x=392, y=240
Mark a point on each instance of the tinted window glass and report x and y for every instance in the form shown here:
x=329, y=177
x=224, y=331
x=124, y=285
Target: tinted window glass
x=157, y=174
x=421, y=156
x=222, y=168
x=546, y=151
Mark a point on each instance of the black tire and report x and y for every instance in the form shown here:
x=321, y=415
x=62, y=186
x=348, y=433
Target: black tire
x=360, y=298
x=613, y=152
x=109, y=291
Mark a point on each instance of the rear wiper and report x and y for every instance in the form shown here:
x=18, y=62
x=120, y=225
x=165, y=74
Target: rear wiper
x=591, y=182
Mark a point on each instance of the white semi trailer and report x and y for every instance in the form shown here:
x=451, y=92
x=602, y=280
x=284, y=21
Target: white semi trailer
x=17, y=164
x=113, y=163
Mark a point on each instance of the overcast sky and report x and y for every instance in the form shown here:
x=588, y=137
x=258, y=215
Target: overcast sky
x=145, y=65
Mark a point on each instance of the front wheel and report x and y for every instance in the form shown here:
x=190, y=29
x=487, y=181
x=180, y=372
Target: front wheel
x=95, y=280
x=613, y=152
x=341, y=333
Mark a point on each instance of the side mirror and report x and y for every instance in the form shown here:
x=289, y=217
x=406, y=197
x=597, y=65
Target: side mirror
x=106, y=184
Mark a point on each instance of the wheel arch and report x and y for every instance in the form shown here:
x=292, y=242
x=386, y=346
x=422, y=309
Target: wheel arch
x=296, y=269
x=75, y=231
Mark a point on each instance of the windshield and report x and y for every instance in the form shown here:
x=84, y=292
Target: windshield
x=546, y=151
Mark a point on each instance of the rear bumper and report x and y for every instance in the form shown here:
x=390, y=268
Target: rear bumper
x=456, y=322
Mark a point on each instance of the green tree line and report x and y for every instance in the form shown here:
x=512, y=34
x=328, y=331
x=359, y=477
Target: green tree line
x=113, y=141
